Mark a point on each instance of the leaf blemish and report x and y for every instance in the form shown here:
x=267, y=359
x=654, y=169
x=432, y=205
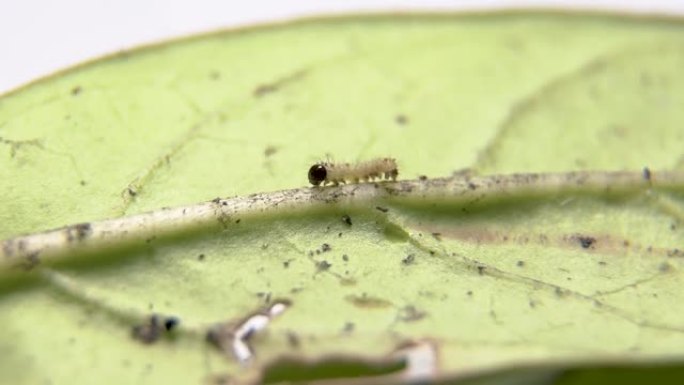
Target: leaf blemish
x=347, y=219
x=408, y=260
x=586, y=241
x=368, y=302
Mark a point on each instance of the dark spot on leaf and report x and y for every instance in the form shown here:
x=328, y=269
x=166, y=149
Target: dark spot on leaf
x=76, y=90
x=408, y=260
x=200, y=257
x=270, y=150
x=348, y=327
x=382, y=209
x=347, y=219
x=171, y=323
x=602, y=263
x=481, y=269
x=345, y=257
x=470, y=293
x=647, y=174
x=83, y=183
x=323, y=265
x=520, y=263
x=216, y=200
x=586, y=241
x=401, y=119
x=422, y=177
x=78, y=232
x=472, y=186
x=325, y=248
x=148, y=332
x=131, y=191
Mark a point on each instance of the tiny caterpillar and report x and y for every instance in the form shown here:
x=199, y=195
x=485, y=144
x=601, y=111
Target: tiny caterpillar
x=336, y=173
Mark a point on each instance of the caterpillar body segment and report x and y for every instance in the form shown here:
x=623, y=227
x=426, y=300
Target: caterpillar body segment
x=336, y=173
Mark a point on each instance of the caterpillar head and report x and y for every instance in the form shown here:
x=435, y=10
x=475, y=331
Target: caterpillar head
x=317, y=174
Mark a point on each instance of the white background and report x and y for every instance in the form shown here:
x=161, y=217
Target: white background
x=38, y=37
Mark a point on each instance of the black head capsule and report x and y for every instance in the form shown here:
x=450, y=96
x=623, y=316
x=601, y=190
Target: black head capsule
x=317, y=174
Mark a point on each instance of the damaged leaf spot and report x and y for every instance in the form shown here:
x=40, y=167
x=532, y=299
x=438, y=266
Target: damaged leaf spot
x=347, y=219
x=233, y=337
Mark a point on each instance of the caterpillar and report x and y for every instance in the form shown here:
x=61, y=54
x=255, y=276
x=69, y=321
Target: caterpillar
x=336, y=173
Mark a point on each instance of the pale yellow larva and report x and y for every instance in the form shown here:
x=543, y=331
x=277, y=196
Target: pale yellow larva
x=336, y=173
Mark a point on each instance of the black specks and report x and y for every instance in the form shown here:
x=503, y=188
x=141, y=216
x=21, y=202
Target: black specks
x=481, y=269
x=647, y=174
x=348, y=327
x=216, y=200
x=201, y=257
x=602, y=263
x=472, y=186
x=408, y=260
x=264, y=89
x=78, y=232
x=270, y=150
x=560, y=292
x=76, y=90
x=171, y=323
x=238, y=221
x=520, y=263
x=345, y=257
x=83, y=183
x=325, y=248
x=422, y=177
x=674, y=253
x=323, y=265
x=533, y=304
x=401, y=119
x=150, y=331
x=131, y=191
x=347, y=219
x=673, y=227
x=586, y=241
x=382, y=209
x=469, y=293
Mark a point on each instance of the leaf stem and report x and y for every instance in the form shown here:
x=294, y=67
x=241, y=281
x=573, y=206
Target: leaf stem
x=26, y=251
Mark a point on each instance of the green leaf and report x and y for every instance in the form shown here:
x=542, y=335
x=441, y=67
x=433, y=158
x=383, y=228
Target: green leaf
x=485, y=276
